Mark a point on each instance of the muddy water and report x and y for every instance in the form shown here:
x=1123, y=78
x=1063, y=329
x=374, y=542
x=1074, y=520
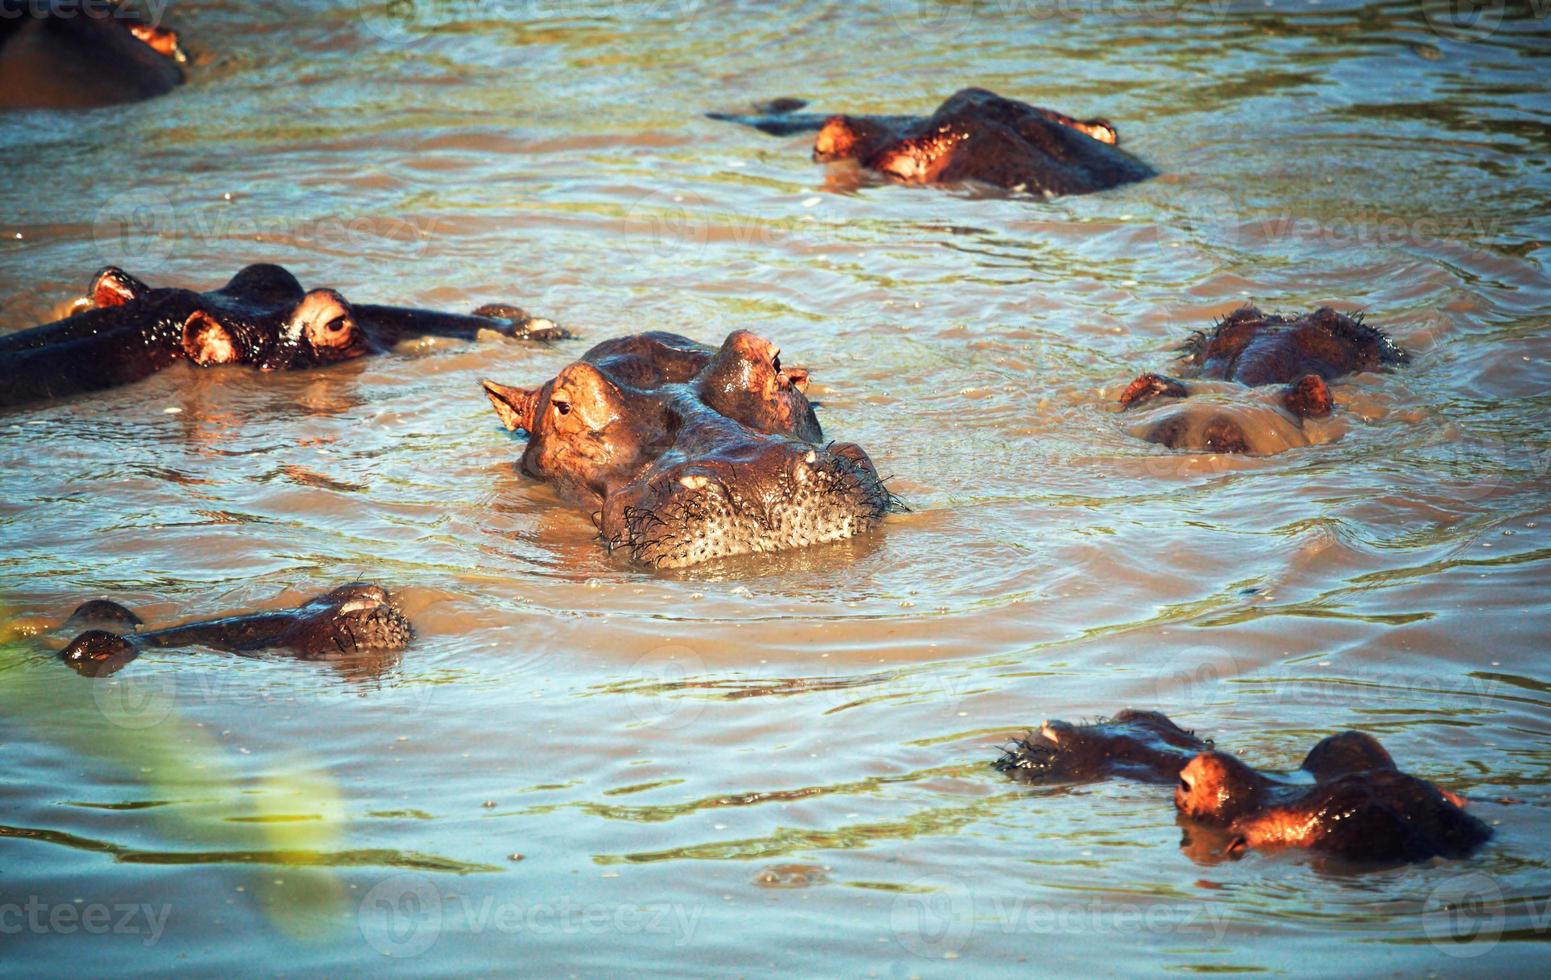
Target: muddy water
x=781, y=765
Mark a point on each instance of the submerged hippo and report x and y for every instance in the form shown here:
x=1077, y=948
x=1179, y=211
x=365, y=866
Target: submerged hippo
x=123, y=331
x=92, y=52
x=1347, y=799
x=1253, y=350
x=350, y=619
x=975, y=135
x=683, y=452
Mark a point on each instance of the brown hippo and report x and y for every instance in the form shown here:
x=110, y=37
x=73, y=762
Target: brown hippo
x=1251, y=350
x=683, y=453
x=1347, y=799
x=349, y=619
x=974, y=135
x=123, y=331
x=85, y=53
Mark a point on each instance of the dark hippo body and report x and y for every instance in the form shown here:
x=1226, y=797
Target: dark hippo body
x=347, y=620
x=974, y=135
x=1347, y=799
x=684, y=453
x=87, y=53
x=123, y=331
x=1253, y=350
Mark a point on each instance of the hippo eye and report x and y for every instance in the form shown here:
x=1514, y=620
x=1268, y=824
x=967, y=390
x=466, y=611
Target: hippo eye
x=564, y=408
x=1184, y=786
x=336, y=325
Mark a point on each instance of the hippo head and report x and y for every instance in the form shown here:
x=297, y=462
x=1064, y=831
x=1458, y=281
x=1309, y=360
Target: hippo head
x=98, y=653
x=349, y=619
x=678, y=471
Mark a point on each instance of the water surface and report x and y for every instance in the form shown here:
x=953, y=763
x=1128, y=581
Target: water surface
x=780, y=765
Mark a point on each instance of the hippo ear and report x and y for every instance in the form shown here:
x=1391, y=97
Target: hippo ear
x=163, y=40
x=1149, y=386
x=112, y=286
x=206, y=342
x=1100, y=129
x=515, y=406
x=1308, y=397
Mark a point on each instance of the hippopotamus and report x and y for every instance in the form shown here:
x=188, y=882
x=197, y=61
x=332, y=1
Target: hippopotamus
x=92, y=52
x=682, y=452
x=346, y=620
x=1237, y=365
x=123, y=331
x=974, y=135
x=1347, y=799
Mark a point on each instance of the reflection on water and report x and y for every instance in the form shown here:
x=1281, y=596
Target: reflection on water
x=783, y=763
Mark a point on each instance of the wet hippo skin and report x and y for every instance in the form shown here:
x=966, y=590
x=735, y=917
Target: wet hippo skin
x=1347, y=799
x=346, y=620
x=974, y=135
x=78, y=53
x=683, y=453
x=122, y=331
x=1252, y=353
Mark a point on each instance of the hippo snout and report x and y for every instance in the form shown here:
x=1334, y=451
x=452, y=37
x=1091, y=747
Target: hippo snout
x=787, y=494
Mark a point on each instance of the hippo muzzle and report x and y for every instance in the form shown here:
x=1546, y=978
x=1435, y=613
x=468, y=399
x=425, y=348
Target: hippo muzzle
x=780, y=493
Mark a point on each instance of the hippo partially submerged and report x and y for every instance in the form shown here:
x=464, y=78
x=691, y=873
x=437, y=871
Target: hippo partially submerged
x=684, y=453
x=974, y=135
x=85, y=53
x=123, y=331
x=1347, y=799
x=1238, y=366
x=347, y=620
